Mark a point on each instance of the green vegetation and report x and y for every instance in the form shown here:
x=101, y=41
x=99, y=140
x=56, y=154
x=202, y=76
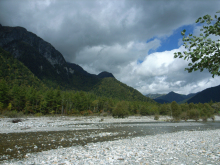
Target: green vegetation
x=19, y=100
x=203, y=52
x=175, y=110
x=121, y=109
x=22, y=93
x=110, y=87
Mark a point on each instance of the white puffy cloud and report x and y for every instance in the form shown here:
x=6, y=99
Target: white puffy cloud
x=161, y=73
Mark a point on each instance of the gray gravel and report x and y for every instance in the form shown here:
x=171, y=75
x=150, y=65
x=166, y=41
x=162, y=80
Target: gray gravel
x=65, y=123
x=187, y=147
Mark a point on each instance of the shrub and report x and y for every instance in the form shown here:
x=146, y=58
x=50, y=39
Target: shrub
x=193, y=114
x=184, y=116
x=120, y=110
x=105, y=115
x=144, y=111
x=156, y=117
x=13, y=114
x=216, y=107
x=176, y=110
x=38, y=114
x=164, y=109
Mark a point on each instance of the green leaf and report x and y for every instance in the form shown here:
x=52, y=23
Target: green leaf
x=182, y=33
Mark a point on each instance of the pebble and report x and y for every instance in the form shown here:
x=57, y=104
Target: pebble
x=34, y=124
x=186, y=147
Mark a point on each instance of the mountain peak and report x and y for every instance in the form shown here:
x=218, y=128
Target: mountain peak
x=105, y=74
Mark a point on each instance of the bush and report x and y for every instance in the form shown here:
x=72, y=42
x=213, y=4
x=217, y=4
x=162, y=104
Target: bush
x=193, y=114
x=144, y=111
x=13, y=114
x=176, y=110
x=156, y=117
x=121, y=110
x=184, y=116
x=164, y=109
x=38, y=114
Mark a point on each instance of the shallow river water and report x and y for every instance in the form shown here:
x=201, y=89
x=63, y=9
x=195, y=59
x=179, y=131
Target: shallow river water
x=18, y=145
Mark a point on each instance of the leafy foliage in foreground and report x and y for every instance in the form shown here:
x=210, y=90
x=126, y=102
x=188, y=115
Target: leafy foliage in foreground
x=203, y=51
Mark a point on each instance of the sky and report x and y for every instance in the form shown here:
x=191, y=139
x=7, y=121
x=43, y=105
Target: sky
x=135, y=40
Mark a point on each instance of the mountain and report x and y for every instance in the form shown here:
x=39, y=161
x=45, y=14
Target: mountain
x=161, y=101
x=206, y=96
x=50, y=67
x=105, y=74
x=38, y=55
x=15, y=72
x=77, y=68
x=111, y=87
x=172, y=96
x=154, y=96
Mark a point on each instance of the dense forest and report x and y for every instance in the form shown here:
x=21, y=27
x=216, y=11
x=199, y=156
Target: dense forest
x=15, y=100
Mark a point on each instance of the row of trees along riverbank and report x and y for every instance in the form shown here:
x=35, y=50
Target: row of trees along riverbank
x=18, y=100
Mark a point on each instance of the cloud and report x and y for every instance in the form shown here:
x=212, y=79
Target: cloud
x=111, y=35
x=114, y=58
x=161, y=73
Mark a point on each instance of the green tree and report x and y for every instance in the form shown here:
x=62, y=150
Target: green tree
x=203, y=52
x=184, y=107
x=176, y=110
x=57, y=99
x=164, y=109
x=4, y=97
x=193, y=114
x=144, y=111
x=18, y=97
x=121, y=110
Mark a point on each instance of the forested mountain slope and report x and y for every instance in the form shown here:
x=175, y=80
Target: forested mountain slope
x=14, y=72
x=207, y=95
x=111, y=87
x=49, y=66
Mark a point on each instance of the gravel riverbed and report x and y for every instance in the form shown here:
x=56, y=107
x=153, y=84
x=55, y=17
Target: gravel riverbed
x=35, y=124
x=186, y=147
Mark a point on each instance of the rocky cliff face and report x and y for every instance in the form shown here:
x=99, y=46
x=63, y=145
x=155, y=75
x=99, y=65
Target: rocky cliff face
x=9, y=36
x=42, y=59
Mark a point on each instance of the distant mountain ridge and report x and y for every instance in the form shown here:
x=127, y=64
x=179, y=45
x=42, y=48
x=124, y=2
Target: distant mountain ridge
x=154, y=96
x=207, y=95
x=48, y=64
x=172, y=96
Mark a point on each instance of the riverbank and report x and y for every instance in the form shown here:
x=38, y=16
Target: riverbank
x=88, y=140
x=185, y=147
x=64, y=123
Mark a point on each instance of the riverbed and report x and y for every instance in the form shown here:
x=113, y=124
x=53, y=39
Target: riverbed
x=19, y=141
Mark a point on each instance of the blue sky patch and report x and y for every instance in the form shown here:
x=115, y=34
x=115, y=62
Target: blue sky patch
x=171, y=42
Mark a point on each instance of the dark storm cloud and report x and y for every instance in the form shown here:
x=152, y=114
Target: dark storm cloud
x=109, y=34
x=73, y=25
